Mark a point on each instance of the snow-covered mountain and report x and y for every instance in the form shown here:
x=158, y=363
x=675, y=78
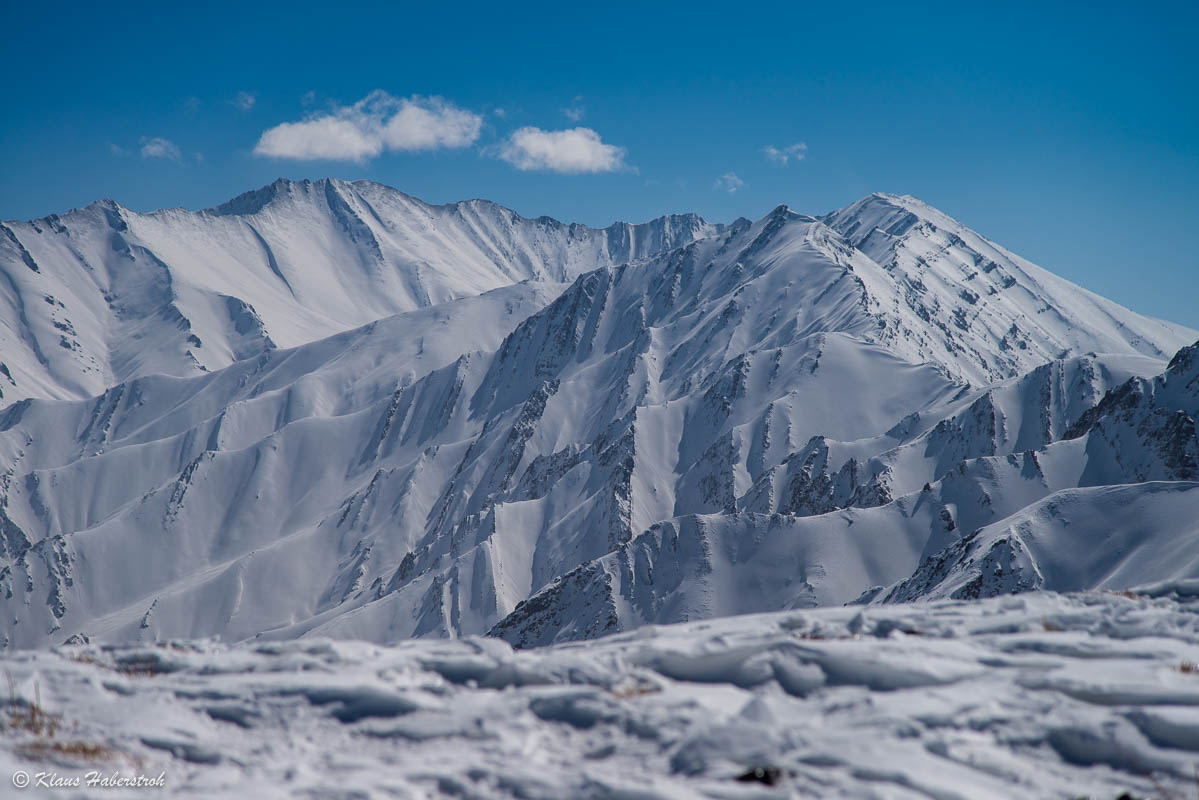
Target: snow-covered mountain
x=1139, y=449
x=707, y=420
x=103, y=294
x=837, y=522
x=996, y=314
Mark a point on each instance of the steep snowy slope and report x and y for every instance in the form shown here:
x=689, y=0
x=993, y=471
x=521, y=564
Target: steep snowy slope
x=129, y=457
x=1145, y=429
x=103, y=294
x=1013, y=518
x=996, y=313
x=1110, y=537
x=1010, y=417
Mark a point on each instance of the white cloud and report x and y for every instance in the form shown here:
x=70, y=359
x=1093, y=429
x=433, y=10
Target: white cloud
x=320, y=138
x=244, y=100
x=376, y=123
x=157, y=147
x=797, y=152
x=426, y=124
x=729, y=182
x=117, y=150
x=499, y=112
x=571, y=151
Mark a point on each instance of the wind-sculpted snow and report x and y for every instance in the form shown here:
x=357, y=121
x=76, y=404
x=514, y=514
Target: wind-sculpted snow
x=1090, y=695
x=739, y=419
x=103, y=294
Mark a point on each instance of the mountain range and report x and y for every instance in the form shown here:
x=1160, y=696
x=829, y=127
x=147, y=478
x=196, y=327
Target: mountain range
x=331, y=409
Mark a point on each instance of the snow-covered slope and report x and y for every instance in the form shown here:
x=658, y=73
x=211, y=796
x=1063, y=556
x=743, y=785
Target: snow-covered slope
x=1109, y=537
x=1008, y=418
x=1044, y=697
x=103, y=294
x=1145, y=429
x=641, y=393
x=997, y=314
x=761, y=417
x=988, y=520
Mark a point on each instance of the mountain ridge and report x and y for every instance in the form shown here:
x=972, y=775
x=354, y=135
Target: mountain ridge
x=103, y=293
x=767, y=394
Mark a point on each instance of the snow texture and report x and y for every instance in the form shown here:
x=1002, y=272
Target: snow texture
x=1040, y=696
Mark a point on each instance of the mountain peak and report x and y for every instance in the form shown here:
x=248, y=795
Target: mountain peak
x=106, y=203
x=878, y=204
x=986, y=308
x=255, y=200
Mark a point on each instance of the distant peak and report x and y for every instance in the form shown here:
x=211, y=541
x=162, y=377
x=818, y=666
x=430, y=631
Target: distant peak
x=106, y=203
x=879, y=205
x=783, y=212
x=906, y=201
x=255, y=200
x=876, y=199
x=1184, y=359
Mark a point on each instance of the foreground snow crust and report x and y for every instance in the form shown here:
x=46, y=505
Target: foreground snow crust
x=1032, y=696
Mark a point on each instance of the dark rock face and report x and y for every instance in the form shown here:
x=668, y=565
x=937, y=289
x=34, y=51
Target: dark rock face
x=1158, y=415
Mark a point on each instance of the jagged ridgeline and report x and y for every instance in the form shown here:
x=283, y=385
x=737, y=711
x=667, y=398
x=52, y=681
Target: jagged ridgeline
x=329, y=408
x=103, y=294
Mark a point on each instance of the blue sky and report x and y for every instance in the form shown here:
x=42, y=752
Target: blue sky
x=1066, y=132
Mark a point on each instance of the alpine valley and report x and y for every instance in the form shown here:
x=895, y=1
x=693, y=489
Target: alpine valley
x=330, y=409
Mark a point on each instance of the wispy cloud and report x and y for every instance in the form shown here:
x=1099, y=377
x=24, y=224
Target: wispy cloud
x=729, y=182
x=117, y=150
x=375, y=123
x=244, y=100
x=157, y=147
x=575, y=112
x=784, y=155
x=571, y=151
